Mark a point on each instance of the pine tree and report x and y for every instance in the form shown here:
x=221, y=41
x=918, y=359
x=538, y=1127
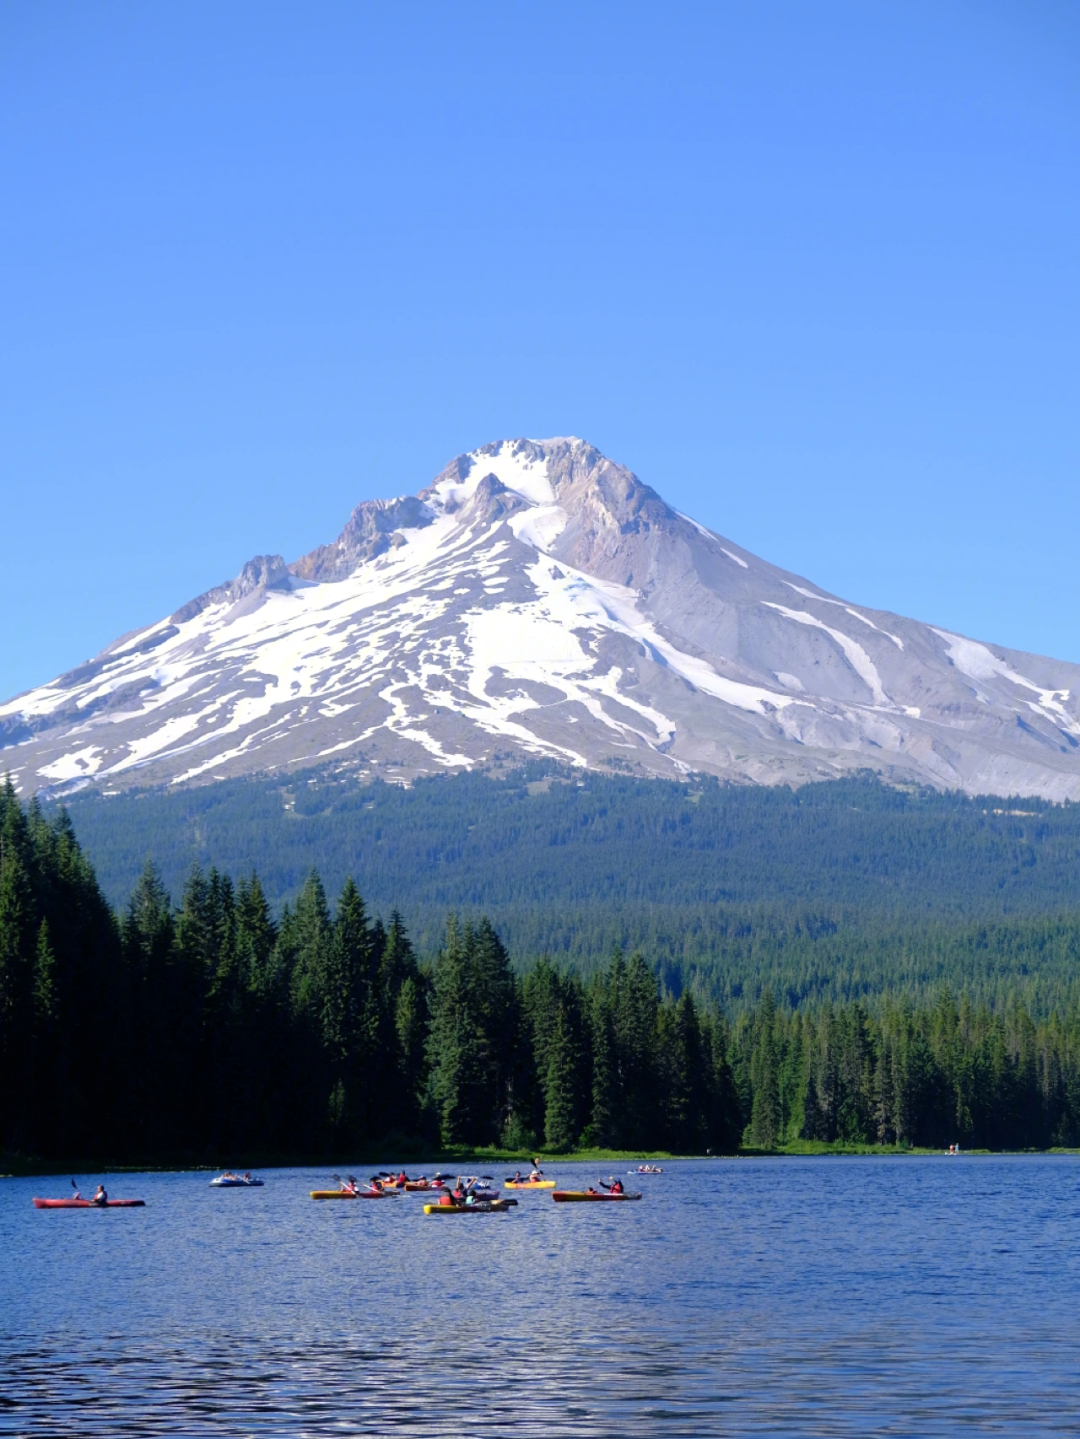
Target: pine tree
x=765, y=1121
x=560, y=1099
x=603, y=1131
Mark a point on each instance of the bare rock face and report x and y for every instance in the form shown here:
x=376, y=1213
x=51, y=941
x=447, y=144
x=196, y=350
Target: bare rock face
x=539, y=599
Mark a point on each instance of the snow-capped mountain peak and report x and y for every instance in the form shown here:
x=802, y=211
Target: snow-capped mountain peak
x=538, y=599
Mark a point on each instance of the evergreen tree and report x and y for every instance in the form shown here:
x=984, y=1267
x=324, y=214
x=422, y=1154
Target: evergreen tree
x=766, y=1119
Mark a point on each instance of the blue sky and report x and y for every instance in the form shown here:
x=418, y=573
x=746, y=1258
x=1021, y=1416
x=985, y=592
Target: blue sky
x=810, y=269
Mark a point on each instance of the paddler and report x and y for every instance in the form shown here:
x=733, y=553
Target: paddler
x=614, y=1186
x=101, y=1197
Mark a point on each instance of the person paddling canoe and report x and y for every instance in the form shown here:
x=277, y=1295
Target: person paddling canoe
x=101, y=1198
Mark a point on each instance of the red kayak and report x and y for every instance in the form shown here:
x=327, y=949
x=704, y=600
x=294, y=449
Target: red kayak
x=588, y=1196
x=89, y=1204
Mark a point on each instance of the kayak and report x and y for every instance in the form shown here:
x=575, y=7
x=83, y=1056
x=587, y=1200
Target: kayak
x=351, y=1194
x=530, y=1184
x=222, y=1183
x=88, y=1204
x=577, y=1196
x=485, y=1206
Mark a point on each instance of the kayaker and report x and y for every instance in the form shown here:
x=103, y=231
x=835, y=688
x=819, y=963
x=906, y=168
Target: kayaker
x=403, y=1178
x=615, y=1186
x=101, y=1198
x=518, y=1178
x=348, y=1186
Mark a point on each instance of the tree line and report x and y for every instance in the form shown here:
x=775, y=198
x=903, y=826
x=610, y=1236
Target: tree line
x=944, y=1073
x=213, y=1028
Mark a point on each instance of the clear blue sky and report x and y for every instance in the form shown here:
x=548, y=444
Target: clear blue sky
x=810, y=269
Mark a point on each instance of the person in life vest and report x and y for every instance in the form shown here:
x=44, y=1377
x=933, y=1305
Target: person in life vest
x=101, y=1198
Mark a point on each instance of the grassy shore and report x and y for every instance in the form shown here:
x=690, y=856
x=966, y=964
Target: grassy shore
x=457, y=1160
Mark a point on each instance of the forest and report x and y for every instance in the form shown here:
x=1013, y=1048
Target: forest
x=215, y=1029
x=834, y=892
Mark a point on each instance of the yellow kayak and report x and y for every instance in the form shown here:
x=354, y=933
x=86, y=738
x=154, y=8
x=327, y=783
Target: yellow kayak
x=348, y=1194
x=530, y=1184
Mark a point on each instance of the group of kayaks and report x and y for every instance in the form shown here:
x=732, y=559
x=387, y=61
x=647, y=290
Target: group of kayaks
x=467, y=1194
x=472, y=1194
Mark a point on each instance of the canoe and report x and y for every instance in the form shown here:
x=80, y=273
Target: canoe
x=345, y=1194
x=577, y=1196
x=88, y=1204
x=485, y=1206
x=530, y=1184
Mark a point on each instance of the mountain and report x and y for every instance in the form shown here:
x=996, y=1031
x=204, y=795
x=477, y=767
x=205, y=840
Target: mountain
x=539, y=599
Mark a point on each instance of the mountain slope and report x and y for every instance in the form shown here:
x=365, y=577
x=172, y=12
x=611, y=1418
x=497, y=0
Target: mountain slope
x=538, y=599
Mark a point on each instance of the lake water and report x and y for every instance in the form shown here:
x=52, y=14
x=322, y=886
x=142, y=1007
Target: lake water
x=797, y=1297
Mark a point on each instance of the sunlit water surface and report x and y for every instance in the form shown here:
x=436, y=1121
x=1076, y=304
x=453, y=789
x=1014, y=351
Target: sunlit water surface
x=818, y=1296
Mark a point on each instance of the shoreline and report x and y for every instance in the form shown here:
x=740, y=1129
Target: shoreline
x=13, y=1167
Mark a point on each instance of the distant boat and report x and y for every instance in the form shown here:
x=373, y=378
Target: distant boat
x=235, y=1181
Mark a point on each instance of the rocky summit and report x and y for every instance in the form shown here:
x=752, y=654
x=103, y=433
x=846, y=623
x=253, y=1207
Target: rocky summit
x=540, y=600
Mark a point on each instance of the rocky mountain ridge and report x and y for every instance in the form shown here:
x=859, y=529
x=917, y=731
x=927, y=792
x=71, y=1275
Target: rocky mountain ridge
x=539, y=599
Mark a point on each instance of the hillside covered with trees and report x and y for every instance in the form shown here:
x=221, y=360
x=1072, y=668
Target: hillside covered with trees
x=833, y=892
x=215, y=1028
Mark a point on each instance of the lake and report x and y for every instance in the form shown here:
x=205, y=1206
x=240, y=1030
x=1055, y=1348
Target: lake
x=832, y=1296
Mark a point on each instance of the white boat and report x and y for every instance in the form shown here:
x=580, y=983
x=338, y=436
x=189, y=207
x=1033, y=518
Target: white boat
x=234, y=1181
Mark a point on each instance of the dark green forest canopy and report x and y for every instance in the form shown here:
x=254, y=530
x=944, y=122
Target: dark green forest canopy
x=472, y=841
x=833, y=891
x=172, y=1032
